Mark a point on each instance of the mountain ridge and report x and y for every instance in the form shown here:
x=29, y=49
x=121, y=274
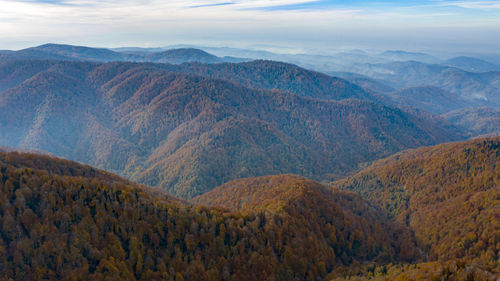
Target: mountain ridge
x=66, y=220
x=64, y=52
x=447, y=194
x=127, y=112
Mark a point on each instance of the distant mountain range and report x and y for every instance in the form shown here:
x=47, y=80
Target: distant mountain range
x=431, y=99
x=471, y=64
x=367, y=83
x=474, y=79
x=190, y=133
x=397, y=55
x=271, y=75
x=79, y=53
x=479, y=121
x=478, y=89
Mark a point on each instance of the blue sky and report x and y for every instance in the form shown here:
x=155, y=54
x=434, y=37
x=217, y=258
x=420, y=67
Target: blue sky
x=294, y=25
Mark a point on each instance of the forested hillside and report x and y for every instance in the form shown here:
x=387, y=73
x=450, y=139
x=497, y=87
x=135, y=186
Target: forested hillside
x=189, y=134
x=60, y=220
x=478, y=121
x=430, y=99
x=310, y=208
x=449, y=195
x=273, y=75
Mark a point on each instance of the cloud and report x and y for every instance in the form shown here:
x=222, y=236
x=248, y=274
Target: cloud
x=481, y=5
x=211, y=5
x=54, y=2
x=218, y=22
x=305, y=5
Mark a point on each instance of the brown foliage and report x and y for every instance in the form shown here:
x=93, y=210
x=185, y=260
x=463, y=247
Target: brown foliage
x=448, y=195
x=65, y=221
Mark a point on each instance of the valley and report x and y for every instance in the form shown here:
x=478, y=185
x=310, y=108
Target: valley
x=178, y=164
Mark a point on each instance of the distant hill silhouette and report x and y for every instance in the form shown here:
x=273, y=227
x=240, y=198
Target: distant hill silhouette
x=431, y=99
x=398, y=55
x=478, y=121
x=80, y=53
x=478, y=89
x=472, y=64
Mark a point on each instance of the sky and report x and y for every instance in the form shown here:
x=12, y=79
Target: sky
x=288, y=25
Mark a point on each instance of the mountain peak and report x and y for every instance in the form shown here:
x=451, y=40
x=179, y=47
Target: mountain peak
x=472, y=64
x=182, y=55
x=78, y=52
x=267, y=193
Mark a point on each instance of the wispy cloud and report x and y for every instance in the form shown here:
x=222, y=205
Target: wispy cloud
x=304, y=5
x=211, y=5
x=322, y=22
x=57, y=2
x=483, y=5
x=264, y=4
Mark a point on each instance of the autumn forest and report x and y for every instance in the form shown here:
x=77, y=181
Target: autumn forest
x=178, y=164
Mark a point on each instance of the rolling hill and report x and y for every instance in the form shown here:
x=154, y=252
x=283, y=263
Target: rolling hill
x=260, y=74
x=62, y=220
x=479, y=121
x=308, y=205
x=478, y=89
x=178, y=56
x=431, y=99
x=81, y=53
x=447, y=194
x=78, y=52
x=169, y=129
x=273, y=75
x=472, y=64
x=364, y=81
x=398, y=55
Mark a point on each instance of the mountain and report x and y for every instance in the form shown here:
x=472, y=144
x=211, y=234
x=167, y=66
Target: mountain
x=31, y=54
x=273, y=75
x=375, y=74
x=189, y=134
x=471, y=64
x=61, y=220
x=478, y=121
x=306, y=205
x=178, y=56
x=447, y=194
x=134, y=50
x=328, y=62
x=364, y=81
x=186, y=55
x=256, y=74
x=397, y=55
x=429, y=98
x=80, y=53
x=479, y=89
x=15, y=72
